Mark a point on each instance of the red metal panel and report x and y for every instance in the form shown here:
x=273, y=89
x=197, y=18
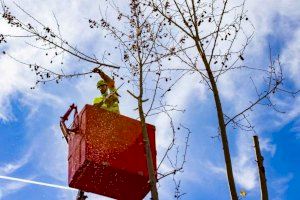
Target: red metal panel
x=107, y=156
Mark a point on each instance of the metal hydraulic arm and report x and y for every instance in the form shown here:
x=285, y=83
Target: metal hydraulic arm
x=66, y=132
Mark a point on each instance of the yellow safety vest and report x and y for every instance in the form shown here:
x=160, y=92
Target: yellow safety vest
x=114, y=107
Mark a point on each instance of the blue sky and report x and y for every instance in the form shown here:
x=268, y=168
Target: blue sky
x=31, y=146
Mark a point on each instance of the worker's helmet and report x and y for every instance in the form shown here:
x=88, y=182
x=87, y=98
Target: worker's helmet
x=100, y=83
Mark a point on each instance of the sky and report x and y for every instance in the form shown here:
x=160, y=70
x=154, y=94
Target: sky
x=31, y=144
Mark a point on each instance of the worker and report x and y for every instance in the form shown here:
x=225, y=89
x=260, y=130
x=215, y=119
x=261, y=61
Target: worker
x=108, y=100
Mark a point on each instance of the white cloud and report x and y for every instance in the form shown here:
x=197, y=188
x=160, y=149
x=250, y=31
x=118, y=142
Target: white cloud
x=10, y=168
x=266, y=145
x=215, y=169
x=65, y=195
x=291, y=59
x=291, y=108
x=269, y=20
x=13, y=80
x=11, y=187
x=184, y=93
x=244, y=163
x=55, y=152
x=227, y=87
x=280, y=186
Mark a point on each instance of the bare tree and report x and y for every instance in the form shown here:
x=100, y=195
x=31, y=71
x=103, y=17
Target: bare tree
x=139, y=38
x=210, y=39
x=140, y=43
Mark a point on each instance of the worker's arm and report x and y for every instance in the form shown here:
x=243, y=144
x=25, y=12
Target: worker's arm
x=98, y=101
x=99, y=104
x=112, y=97
x=110, y=82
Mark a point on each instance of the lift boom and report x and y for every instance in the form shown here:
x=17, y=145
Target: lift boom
x=66, y=132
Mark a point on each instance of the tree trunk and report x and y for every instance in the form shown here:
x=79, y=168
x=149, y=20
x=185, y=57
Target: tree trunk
x=261, y=169
x=222, y=126
x=151, y=171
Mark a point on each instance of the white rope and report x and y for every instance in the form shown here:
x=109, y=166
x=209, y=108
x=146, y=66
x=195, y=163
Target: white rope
x=36, y=182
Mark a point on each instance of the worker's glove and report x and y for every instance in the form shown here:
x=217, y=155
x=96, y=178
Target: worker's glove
x=96, y=70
